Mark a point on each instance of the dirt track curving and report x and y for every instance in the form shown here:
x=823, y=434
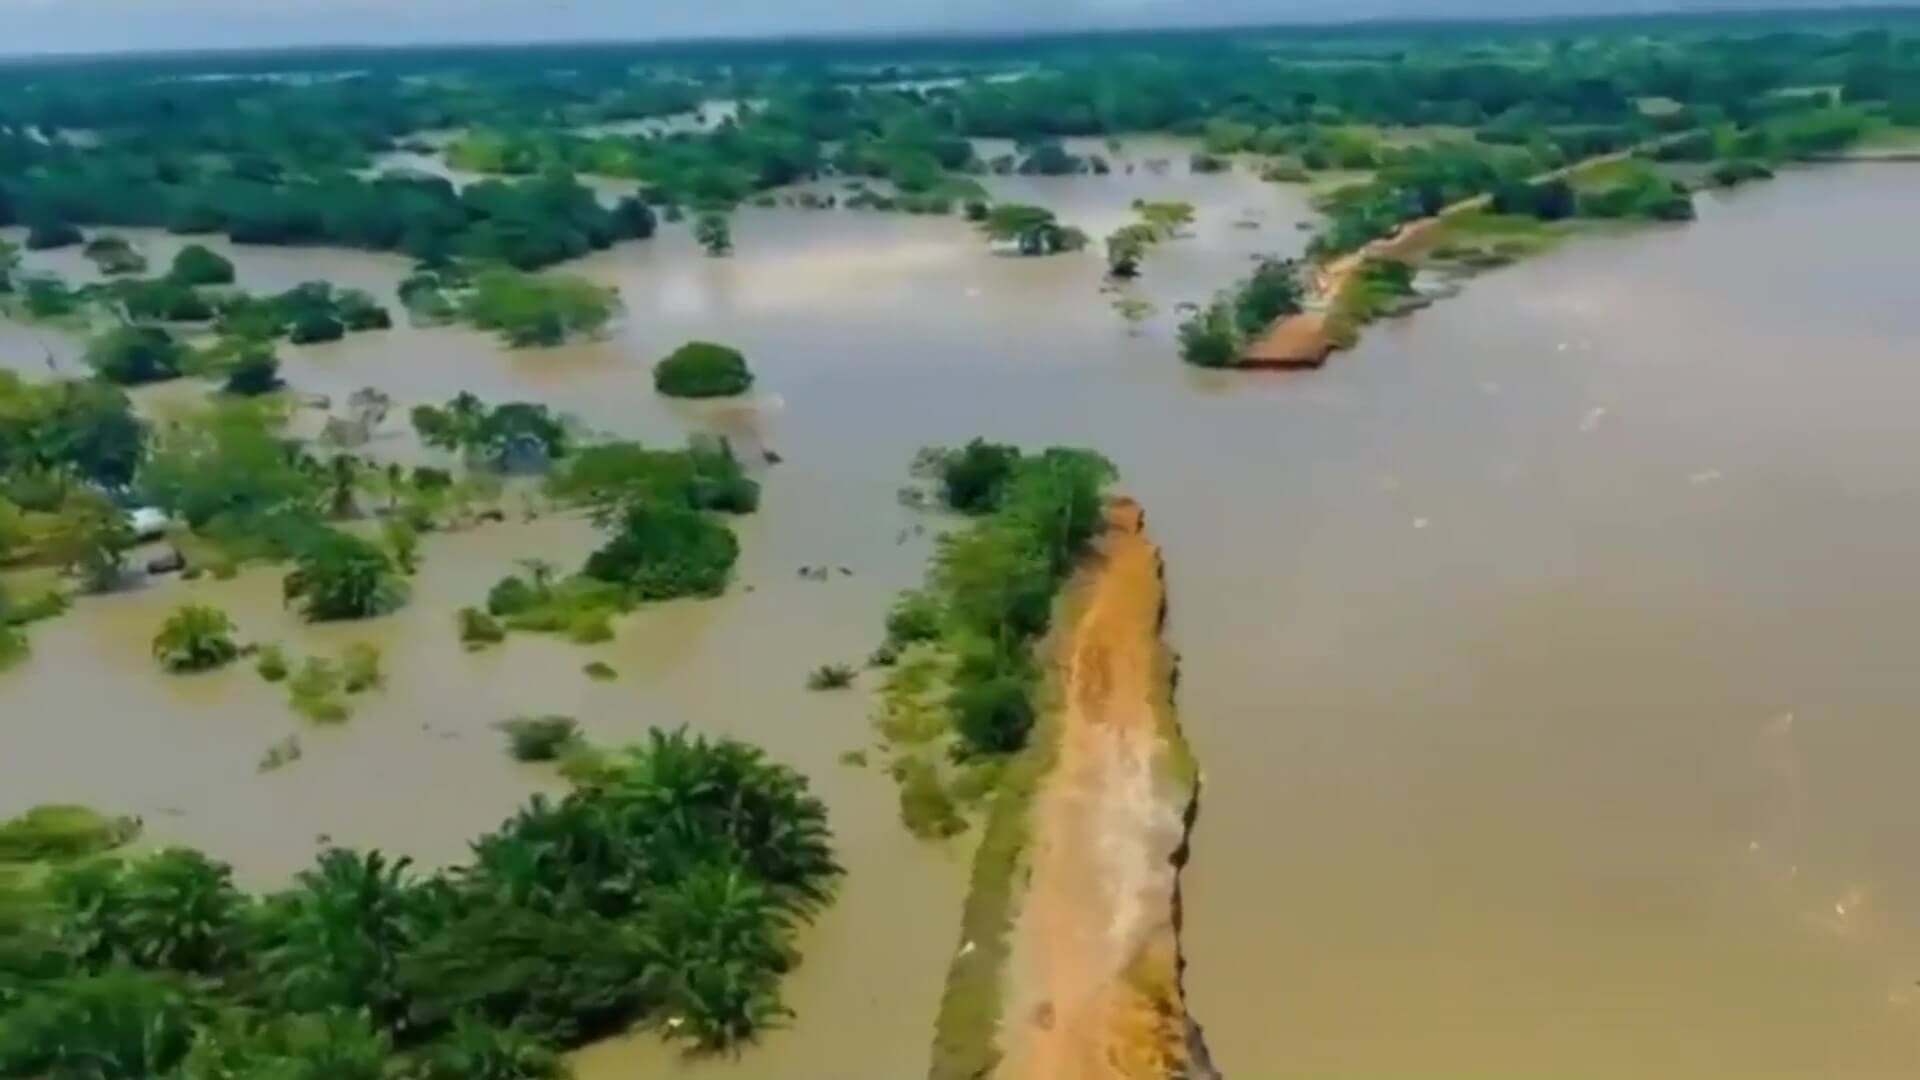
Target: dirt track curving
x=1093, y=982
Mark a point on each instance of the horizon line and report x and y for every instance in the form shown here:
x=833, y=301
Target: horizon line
x=935, y=34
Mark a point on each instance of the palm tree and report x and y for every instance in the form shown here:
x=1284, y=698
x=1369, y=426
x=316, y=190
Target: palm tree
x=195, y=638
x=336, y=938
x=343, y=476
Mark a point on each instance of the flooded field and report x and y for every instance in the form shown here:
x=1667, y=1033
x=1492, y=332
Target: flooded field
x=1545, y=655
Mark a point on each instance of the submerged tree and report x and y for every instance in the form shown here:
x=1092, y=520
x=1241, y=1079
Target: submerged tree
x=701, y=369
x=1032, y=229
x=195, y=638
x=340, y=576
x=714, y=234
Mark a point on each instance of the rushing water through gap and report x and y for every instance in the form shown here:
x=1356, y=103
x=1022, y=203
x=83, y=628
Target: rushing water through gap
x=1545, y=654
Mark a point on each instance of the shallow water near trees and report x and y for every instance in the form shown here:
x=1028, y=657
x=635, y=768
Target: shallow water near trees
x=1490, y=630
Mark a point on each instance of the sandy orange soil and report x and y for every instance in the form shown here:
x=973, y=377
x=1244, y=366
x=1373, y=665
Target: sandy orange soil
x=1093, y=981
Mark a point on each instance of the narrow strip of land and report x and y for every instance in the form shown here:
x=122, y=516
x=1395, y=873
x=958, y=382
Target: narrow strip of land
x=1093, y=982
x=1304, y=339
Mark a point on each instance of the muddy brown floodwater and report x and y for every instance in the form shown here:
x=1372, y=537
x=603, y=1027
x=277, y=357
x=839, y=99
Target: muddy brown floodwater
x=1490, y=629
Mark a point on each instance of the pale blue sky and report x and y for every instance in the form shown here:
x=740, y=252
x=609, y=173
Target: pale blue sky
x=28, y=26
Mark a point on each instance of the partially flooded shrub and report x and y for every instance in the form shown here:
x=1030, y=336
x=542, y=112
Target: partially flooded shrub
x=539, y=738
x=195, y=638
x=599, y=671
x=62, y=832
x=925, y=807
x=315, y=692
x=479, y=629
x=271, y=663
x=285, y=752
x=830, y=677
x=362, y=668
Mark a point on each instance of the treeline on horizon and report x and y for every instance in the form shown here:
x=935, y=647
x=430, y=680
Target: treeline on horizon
x=287, y=159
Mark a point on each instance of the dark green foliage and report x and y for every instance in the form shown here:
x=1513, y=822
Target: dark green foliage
x=994, y=715
x=539, y=738
x=1737, y=172
x=48, y=235
x=511, y=596
x=85, y=426
x=1645, y=194
x=1210, y=338
x=162, y=300
x=537, y=309
x=313, y=328
x=254, y=372
x=174, y=911
x=668, y=885
x=915, y=617
x=1272, y=290
x=714, y=234
x=133, y=355
x=479, y=629
x=195, y=265
x=516, y=433
x=114, y=256
x=1215, y=335
x=702, y=369
x=310, y=313
x=1551, y=200
x=1033, y=230
x=705, y=476
x=340, y=576
x=973, y=478
x=228, y=472
x=992, y=586
x=660, y=552
x=116, y=1025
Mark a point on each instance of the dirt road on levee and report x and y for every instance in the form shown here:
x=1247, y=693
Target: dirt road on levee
x=1093, y=984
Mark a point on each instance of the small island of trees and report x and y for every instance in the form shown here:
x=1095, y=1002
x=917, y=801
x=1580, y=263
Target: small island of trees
x=702, y=369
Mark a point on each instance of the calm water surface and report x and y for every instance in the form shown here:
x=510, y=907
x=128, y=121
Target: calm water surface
x=1546, y=654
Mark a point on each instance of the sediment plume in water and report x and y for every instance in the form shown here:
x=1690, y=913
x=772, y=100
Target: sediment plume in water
x=1077, y=893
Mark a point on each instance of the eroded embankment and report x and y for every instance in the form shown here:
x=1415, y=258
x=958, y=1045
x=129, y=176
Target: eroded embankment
x=1070, y=967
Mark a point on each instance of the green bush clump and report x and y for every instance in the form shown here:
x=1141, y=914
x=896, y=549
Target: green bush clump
x=702, y=369
x=993, y=716
x=914, y=617
x=340, y=576
x=271, y=663
x=195, y=265
x=539, y=738
x=925, y=807
x=195, y=638
x=135, y=355
x=479, y=629
x=362, y=668
x=600, y=671
x=314, y=692
x=704, y=476
x=664, y=552
x=55, y=833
